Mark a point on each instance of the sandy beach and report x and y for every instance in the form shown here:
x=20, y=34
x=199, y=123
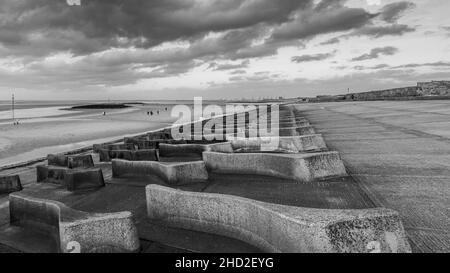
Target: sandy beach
x=48, y=129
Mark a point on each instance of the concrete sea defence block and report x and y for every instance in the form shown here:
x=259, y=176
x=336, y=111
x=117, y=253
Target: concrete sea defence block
x=278, y=228
x=139, y=155
x=151, y=144
x=75, y=180
x=294, y=144
x=141, y=143
x=9, y=184
x=145, y=155
x=164, y=134
x=298, y=167
x=189, y=149
x=113, y=147
x=171, y=173
x=72, y=179
x=80, y=161
x=58, y=160
x=298, y=131
x=96, y=147
x=91, y=232
x=50, y=174
x=284, y=131
x=76, y=161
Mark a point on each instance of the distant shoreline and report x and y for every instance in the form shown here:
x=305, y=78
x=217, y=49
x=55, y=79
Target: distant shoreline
x=100, y=106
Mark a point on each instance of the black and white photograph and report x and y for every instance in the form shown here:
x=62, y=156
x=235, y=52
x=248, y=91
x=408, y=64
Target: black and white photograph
x=251, y=128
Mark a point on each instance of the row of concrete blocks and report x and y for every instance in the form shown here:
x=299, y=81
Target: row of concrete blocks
x=257, y=132
x=107, y=155
x=269, y=227
x=117, y=152
x=71, y=162
x=292, y=144
x=297, y=167
x=290, y=126
x=60, y=169
x=75, y=173
x=296, y=144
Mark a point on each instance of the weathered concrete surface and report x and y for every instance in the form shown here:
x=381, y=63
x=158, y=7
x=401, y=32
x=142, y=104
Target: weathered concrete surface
x=138, y=155
x=171, y=173
x=129, y=194
x=50, y=174
x=75, y=180
x=165, y=134
x=189, y=149
x=144, y=144
x=297, y=131
x=298, y=167
x=81, y=161
x=113, y=147
x=72, y=162
x=72, y=179
x=294, y=144
x=400, y=153
x=276, y=228
x=58, y=160
x=108, y=232
x=9, y=184
x=284, y=131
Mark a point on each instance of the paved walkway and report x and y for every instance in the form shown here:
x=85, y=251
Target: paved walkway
x=399, y=152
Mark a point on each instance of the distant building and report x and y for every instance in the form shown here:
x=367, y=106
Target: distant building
x=423, y=89
x=388, y=93
x=434, y=88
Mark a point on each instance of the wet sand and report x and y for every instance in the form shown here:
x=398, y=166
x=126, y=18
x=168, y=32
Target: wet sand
x=35, y=137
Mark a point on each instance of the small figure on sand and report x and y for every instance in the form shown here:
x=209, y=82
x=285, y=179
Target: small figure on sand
x=151, y=113
x=104, y=113
x=157, y=112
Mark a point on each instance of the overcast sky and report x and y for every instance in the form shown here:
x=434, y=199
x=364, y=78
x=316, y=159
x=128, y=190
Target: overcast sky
x=169, y=49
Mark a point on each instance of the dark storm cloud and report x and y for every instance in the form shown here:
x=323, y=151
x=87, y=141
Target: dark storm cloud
x=114, y=42
x=392, y=12
x=314, y=57
x=321, y=20
x=100, y=24
x=43, y=27
x=376, y=53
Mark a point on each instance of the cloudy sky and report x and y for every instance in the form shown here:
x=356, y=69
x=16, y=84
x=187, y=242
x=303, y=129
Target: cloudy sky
x=168, y=49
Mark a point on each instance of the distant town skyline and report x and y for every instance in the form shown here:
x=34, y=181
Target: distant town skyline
x=177, y=49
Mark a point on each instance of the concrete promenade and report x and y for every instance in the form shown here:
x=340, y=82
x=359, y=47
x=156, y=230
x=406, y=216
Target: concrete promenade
x=397, y=155
x=399, y=152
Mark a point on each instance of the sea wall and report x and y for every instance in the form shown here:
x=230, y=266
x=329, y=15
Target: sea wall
x=434, y=88
x=410, y=91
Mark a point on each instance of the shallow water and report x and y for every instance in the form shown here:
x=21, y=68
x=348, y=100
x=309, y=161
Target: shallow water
x=32, y=113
